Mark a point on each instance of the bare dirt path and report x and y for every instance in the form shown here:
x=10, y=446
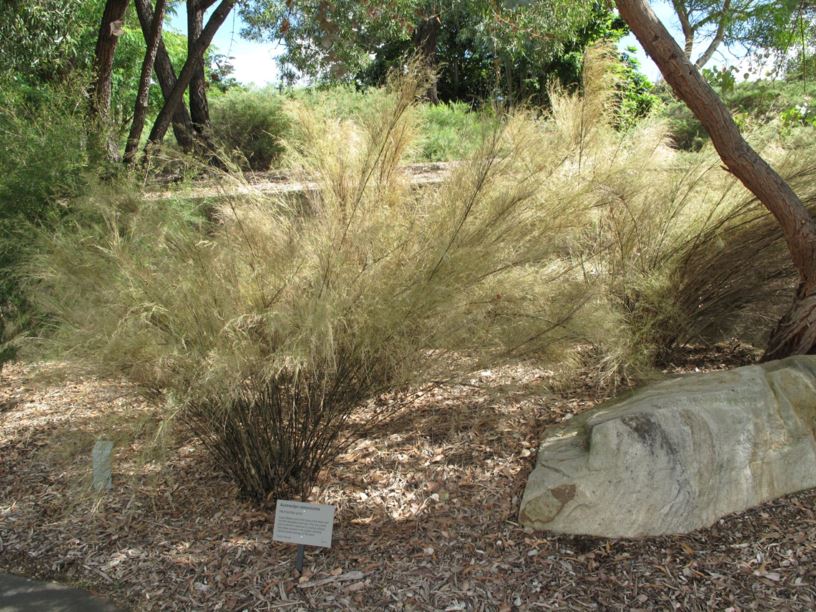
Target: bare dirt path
x=23, y=595
x=276, y=183
x=426, y=515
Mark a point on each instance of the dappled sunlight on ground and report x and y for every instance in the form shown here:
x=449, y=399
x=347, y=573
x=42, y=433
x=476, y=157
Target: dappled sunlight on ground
x=426, y=514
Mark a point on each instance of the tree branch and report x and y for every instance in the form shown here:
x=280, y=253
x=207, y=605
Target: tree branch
x=685, y=26
x=140, y=110
x=705, y=56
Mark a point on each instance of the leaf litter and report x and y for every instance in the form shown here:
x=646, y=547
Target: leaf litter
x=426, y=514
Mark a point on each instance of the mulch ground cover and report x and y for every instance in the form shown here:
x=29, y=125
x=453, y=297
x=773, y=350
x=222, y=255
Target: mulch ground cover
x=426, y=513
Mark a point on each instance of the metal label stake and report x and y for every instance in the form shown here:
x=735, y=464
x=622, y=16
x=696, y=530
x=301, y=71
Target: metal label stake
x=301, y=551
x=303, y=524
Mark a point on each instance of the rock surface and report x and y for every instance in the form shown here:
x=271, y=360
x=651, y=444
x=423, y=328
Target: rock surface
x=678, y=455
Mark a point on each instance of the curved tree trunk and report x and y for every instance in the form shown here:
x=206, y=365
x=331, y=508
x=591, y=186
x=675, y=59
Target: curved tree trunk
x=140, y=111
x=195, y=57
x=796, y=332
x=199, y=110
x=182, y=124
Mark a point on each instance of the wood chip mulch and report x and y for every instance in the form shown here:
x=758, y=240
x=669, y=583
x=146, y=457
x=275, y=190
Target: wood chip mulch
x=426, y=515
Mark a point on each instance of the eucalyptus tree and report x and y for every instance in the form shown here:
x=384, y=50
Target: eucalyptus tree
x=166, y=76
x=761, y=27
x=507, y=48
x=195, y=58
x=44, y=40
x=156, y=57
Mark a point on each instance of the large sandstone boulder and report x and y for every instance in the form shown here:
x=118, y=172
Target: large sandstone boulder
x=679, y=454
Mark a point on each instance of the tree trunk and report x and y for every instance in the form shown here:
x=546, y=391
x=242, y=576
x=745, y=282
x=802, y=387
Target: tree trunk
x=110, y=29
x=199, y=111
x=796, y=332
x=425, y=39
x=182, y=124
x=140, y=110
x=197, y=53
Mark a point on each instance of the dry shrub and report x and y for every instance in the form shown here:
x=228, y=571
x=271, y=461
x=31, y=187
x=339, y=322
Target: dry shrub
x=686, y=254
x=278, y=322
x=678, y=251
x=279, y=325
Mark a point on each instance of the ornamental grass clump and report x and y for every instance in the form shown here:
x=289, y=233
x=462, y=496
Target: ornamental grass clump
x=676, y=251
x=685, y=255
x=281, y=326
x=277, y=323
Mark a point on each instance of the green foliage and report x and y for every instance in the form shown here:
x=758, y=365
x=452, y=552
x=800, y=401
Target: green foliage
x=251, y=124
x=506, y=50
x=771, y=105
x=44, y=40
x=43, y=154
x=42, y=167
x=801, y=115
x=784, y=32
x=343, y=102
x=634, y=91
x=721, y=79
x=451, y=131
x=763, y=28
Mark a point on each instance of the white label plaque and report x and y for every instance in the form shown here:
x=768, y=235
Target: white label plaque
x=302, y=523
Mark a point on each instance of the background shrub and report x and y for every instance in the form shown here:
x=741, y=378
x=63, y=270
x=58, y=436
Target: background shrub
x=757, y=106
x=43, y=166
x=250, y=126
x=451, y=131
x=344, y=102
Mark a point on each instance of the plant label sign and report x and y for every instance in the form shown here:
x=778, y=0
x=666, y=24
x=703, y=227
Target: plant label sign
x=303, y=524
x=101, y=454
